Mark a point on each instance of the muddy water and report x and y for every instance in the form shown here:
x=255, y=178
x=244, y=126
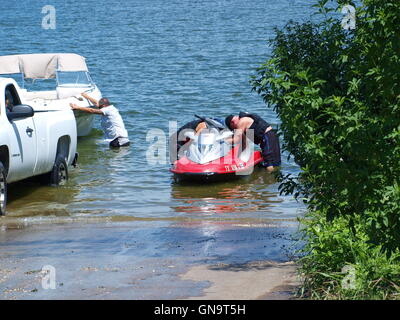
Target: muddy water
x=157, y=62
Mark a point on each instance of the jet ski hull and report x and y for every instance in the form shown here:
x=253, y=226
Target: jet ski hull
x=223, y=169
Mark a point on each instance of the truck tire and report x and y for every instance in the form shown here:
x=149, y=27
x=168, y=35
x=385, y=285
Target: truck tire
x=3, y=189
x=59, y=173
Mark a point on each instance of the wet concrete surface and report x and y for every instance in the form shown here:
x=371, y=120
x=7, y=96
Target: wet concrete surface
x=144, y=259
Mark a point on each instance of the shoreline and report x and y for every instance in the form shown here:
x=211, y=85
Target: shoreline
x=261, y=280
x=147, y=260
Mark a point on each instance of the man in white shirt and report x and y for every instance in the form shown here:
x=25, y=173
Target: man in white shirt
x=111, y=121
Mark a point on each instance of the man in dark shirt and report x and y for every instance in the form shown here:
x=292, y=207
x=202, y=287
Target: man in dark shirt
x=264, y=135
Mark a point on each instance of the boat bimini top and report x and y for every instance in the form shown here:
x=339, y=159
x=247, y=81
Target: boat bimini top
x=42, y=65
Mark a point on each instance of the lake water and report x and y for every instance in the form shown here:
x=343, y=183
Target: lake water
x=157, y=61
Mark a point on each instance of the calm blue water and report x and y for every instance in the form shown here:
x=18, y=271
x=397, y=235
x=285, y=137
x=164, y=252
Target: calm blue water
x=157, y=61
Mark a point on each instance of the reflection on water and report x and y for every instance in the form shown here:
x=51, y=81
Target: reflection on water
x=33, y=198
x=243, y=195
x=110, y=184
x=118, y=185
x=97, y=167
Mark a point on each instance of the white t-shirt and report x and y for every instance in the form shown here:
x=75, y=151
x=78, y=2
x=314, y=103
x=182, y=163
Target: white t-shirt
x=112, y=124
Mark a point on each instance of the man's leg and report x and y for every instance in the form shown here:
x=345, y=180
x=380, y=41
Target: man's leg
x=271, y=151
x=116, y=143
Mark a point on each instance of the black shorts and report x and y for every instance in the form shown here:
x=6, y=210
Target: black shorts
x=270, y=149
x=115, y=143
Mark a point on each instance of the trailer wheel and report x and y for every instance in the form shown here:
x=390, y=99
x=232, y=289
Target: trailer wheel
x=3, y=189
x=59, y=173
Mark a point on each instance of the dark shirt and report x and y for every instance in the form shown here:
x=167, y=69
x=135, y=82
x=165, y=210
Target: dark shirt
x=259, y=125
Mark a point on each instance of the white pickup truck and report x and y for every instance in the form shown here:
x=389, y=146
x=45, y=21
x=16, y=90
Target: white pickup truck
x=34, y=140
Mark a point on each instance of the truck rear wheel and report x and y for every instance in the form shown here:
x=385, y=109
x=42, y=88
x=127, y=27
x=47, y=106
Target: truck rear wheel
x=3, y=189
x=59, y=173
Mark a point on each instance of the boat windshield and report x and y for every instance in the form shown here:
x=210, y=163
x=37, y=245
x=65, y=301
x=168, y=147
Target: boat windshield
x=208, y=146
x=18, y=77
x=74, y=79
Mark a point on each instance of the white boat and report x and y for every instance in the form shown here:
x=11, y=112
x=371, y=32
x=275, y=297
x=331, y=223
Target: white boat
x=70, y=75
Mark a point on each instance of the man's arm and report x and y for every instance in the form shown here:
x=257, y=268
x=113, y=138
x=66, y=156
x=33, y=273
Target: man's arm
x=239, y=131
x=237, y=137
x=200, y=127
x=92, y=100
x=85, y=109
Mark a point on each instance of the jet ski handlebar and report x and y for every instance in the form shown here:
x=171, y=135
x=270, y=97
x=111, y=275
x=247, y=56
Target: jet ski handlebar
x=211, y=122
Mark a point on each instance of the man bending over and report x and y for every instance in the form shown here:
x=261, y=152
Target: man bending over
x=111, y=120
x=264, y=135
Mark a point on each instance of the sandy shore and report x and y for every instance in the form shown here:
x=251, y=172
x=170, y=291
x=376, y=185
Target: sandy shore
x=251, y=281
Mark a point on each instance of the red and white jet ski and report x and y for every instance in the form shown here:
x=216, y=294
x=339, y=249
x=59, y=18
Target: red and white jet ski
x=207, y=156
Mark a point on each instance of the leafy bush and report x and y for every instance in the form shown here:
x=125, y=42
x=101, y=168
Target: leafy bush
x=334, y=254
x=337, y=93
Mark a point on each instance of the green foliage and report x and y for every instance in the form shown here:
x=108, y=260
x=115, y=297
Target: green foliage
x=337, y=94
x=333, y=247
